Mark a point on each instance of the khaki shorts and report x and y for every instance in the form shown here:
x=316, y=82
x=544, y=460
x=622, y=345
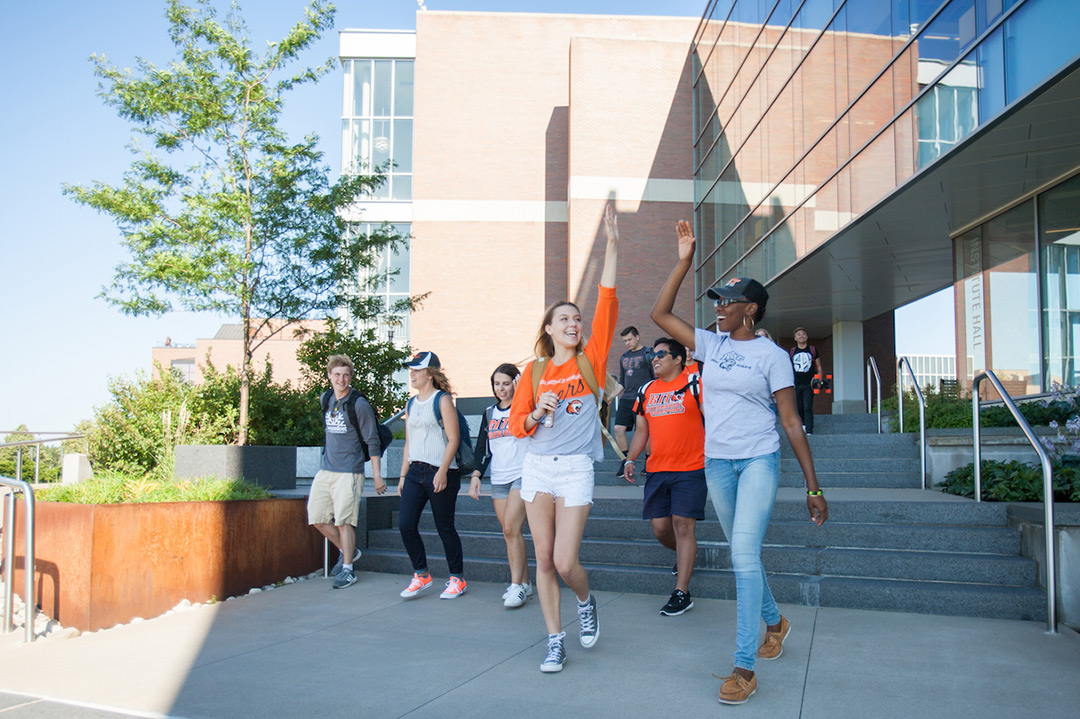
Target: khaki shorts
x=335, y=497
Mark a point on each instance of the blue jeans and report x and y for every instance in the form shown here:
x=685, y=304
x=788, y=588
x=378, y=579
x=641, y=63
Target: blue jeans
x=743, y=492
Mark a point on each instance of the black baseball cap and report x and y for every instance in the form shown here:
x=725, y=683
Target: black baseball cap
x=738, y=287
x=423, y=360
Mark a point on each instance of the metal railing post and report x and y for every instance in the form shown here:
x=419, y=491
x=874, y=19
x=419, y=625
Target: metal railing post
x=29, y=603
x=1048, y=485
x=9, y=560
x=871, y=365
x=37, y=463
x=18, y=463
x=900, y=365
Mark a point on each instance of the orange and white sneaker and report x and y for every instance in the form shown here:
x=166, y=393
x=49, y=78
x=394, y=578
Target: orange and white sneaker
x=417, y=585
x=455, y=587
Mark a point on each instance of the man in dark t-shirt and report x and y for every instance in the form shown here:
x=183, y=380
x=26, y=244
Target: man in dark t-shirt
x=806, y=363
x=333, y=504
x=635, y=369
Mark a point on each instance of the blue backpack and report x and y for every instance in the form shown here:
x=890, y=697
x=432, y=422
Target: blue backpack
x=464, y=457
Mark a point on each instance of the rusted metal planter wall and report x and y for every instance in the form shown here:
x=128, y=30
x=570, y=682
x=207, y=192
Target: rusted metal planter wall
x=99, y=565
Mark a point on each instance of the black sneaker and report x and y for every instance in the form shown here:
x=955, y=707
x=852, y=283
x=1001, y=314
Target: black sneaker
x=680, y=602
x=675, y=570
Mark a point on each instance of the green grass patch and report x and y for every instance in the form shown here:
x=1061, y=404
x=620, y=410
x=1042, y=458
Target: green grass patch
x=117, y=488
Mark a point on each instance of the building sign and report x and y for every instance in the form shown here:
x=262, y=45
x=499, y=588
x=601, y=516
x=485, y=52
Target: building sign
x=974, y=314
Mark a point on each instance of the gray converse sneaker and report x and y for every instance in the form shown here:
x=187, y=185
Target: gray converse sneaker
x=556, y=655
x=590, y=622
x=336, y=570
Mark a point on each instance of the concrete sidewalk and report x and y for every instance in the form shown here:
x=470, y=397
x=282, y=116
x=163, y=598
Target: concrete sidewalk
x=305, y=650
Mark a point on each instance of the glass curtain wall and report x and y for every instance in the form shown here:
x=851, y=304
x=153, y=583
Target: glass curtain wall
x=808, y=112
x=1018, y=293
x=377, y=123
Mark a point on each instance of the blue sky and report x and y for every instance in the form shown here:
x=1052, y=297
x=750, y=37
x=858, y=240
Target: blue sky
x=61, y=344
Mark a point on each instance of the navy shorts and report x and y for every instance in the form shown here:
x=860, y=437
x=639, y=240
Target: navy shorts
x=682, y=494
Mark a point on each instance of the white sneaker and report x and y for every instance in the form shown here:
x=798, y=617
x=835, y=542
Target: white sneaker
x=528, y=589
x=507, y=592
x=515, y=596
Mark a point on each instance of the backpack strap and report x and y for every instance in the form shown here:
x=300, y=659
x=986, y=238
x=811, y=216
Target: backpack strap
x=587, y=374
x=324, y=401
x=437, y=407
x=537, y=370
x=639, y=400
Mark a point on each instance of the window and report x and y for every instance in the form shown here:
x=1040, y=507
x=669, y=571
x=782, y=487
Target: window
x=376, y=126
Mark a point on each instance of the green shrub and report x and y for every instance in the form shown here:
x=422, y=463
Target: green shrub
x=118, y=488
x=944, y=412
x=1014, y=481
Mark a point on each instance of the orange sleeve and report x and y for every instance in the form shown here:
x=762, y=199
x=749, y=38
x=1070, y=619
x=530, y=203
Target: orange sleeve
x=603, y=332
x=523, y=404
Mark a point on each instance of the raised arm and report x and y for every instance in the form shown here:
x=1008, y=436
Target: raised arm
x=611, y=252
x=679, y=329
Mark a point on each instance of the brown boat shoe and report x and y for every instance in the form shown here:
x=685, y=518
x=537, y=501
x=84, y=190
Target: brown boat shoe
x=773, y=646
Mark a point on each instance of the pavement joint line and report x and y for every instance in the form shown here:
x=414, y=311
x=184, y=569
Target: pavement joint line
x=39, y=698
x=809, y=653
x=20, y=706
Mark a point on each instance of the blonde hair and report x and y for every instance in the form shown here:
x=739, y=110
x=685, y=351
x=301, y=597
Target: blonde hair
x=339, y=361
x=545, y=346
x=438, y=378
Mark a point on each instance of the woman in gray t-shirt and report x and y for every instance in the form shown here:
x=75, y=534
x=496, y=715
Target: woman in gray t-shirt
x=742, y=375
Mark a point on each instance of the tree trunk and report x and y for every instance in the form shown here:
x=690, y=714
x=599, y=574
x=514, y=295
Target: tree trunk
x=245, y=379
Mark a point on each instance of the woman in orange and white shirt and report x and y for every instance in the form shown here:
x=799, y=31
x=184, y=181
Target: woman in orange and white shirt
x=563, y=427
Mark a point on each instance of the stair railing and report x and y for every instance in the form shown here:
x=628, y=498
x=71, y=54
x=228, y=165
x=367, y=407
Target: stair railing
x=871, y=366
x=900, y=365
x=1048, y=487
x=29, y=603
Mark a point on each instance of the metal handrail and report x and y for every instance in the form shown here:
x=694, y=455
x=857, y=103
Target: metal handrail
x=1048, y=487
x=871, y=364
x=36, y=443
x=900, y=364
x=29, y=605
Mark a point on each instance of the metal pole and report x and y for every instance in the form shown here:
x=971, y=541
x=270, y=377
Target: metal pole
x=975, y=435
x=37, y=463
x=869, y=406
x=325, y=557
x=18, y=464
x=922, y=439
x=9, y=560
x=900, y=392
x=29, y=603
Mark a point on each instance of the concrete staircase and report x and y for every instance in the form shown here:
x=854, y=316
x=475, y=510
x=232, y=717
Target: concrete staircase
x=887, y=545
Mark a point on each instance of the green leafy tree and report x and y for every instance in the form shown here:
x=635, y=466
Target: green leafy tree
x=221, y=212
x=376, y=362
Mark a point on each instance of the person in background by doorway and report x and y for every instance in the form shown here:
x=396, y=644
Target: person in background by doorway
x=806, y=363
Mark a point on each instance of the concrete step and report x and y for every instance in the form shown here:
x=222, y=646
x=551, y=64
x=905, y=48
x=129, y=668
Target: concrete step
x=892, y=564
x=865, y=465
x=957, y=513
x=799, y=533
x=844, y=423
x=869, y=479
x=947, y=598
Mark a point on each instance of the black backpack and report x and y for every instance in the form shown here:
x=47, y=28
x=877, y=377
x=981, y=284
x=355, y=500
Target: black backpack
x=385, y=435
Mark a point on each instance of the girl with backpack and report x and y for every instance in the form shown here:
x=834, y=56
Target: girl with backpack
x=743, y=375
x=432, y=474
x=557, y=409
x=498, y=447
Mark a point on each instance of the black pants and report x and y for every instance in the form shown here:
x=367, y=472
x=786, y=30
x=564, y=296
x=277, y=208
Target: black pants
x=417, y=491
x=804, y=400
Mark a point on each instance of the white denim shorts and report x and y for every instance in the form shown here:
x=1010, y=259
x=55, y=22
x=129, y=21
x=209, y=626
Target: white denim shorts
x=569, y=476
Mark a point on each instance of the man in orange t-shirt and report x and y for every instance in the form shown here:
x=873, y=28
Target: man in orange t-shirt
x=669, y=413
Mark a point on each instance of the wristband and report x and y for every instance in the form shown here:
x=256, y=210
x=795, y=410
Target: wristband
x=629, y=461
x=813, y=493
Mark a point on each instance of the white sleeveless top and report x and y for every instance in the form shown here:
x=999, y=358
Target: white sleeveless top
x=427, y=441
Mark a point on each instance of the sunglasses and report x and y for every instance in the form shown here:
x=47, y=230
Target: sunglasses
x=661, y=354
x=725, y=301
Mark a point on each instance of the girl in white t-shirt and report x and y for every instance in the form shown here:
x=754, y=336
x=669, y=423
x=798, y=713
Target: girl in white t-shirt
x=498, y=447
x=742, y=376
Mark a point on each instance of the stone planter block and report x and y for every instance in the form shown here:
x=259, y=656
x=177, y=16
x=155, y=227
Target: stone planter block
x=270, y=467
